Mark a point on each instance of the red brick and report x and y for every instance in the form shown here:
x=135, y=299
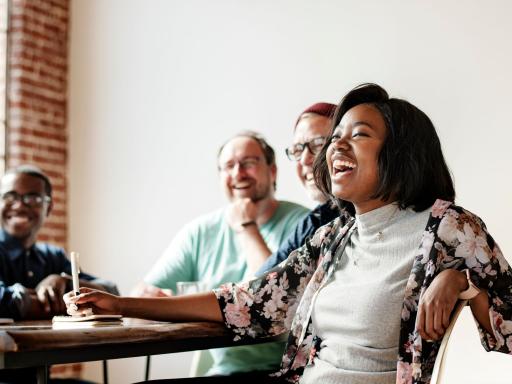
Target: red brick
x=37, y=62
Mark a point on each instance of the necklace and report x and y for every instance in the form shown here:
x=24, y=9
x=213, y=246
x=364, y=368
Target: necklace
x=379, y=236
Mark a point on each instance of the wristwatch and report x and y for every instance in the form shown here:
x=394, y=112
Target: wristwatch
x=245, y=225
x=472, y=290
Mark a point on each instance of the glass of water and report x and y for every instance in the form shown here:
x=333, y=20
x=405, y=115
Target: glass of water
x=188, y=287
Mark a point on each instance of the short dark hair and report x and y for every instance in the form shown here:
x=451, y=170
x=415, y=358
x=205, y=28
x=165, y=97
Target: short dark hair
x=412, y=169
x=32, y=170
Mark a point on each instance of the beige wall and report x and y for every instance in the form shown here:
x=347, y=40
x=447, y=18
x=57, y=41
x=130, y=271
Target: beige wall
x=156, y=86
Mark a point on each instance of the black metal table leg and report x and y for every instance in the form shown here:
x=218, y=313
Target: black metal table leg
x=105, y=372
x=42, y=374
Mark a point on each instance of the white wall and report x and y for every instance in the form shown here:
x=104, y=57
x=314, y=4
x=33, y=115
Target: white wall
x=157, y=86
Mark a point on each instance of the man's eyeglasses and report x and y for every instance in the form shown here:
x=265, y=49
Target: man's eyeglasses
x=245, y=164
x=294, y=152
x=31, y=200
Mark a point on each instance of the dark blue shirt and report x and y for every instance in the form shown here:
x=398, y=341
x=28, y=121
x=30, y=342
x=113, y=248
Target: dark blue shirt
x=25, y=268
x=321, y=215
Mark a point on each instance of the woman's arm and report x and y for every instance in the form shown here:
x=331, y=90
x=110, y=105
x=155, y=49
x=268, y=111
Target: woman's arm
x=198, y=307
x=480, y=308
x=438, y=301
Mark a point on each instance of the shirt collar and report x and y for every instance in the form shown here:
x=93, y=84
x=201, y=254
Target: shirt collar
x=13, y=246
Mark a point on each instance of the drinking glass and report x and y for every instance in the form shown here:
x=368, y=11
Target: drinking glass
x=188, y=287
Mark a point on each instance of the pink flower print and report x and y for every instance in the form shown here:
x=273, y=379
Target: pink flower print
x=290, y=314
x=508, y=343
x=440, y=207
x=243, y=296
x=283, y=282
x=403, y=373
x=430, y=269
x=426, y=245
x=270, y=309
x=496, y=254
x=237, y=316
x=312, y=354
x=408, y=346
x=301, y=358
x=505, y=326
x=473, y=248
x=496, y=323
x=278, y=293
x=320, y=236
x=447, y=230
x=412, y=284
x=277, y=329
x=225, y=290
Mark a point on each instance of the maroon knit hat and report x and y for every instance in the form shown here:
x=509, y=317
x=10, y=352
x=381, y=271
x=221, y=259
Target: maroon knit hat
x=322, y=109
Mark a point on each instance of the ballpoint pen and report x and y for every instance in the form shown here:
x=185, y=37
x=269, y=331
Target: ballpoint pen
x=74, y=272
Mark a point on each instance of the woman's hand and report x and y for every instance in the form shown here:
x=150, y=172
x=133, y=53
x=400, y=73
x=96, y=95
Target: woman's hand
x=101, y=303
x=437, y=303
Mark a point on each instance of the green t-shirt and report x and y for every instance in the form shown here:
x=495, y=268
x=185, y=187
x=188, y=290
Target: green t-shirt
x=207, y=250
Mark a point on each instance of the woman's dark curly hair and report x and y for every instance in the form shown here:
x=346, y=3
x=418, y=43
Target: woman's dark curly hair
x=412, y=170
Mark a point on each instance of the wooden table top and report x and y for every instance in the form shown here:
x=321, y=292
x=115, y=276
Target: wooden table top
x=36, y=343
x=39, y=335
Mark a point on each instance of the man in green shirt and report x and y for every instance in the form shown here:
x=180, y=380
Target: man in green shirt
x=231, y=243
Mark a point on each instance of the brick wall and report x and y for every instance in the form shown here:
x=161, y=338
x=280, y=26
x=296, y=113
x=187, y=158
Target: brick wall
x=36, y=96
x=37, y=64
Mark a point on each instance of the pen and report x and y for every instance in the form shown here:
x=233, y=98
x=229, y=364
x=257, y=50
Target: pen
x=74, y=272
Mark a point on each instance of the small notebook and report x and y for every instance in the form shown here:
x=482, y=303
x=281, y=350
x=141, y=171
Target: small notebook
x=68, y=322
x=74, y=319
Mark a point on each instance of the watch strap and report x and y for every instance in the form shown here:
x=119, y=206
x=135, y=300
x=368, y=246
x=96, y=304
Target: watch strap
x=472, y=290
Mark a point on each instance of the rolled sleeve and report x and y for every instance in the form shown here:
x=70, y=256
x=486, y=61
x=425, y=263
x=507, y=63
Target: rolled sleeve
x=15, y=301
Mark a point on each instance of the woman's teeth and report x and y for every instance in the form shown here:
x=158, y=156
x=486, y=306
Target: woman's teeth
x=343, y=165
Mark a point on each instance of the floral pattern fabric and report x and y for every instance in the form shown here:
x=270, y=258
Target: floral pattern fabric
x=281, y=300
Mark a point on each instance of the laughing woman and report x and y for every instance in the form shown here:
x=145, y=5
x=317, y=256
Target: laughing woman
x=369, y=286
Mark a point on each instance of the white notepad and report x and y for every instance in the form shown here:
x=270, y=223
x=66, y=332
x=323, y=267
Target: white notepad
x=90, y=321
x=6, y=320
x=74, y=319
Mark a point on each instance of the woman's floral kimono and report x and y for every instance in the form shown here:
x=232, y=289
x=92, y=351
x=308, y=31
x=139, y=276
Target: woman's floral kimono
x=281, y=300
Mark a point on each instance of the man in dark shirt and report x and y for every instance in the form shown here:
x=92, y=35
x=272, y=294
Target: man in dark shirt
x=33, y=276
x=311, y=130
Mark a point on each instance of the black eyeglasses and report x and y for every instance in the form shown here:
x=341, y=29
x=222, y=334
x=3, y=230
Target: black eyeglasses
x=294, y=152
x=31, y=200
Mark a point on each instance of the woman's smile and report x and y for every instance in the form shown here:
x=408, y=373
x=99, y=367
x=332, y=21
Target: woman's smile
x=342, y=167
x=353, y=156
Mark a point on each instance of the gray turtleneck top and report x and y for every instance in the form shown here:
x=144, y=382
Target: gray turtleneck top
x=357, y=313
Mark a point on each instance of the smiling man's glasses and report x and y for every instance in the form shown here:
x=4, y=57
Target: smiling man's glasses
x=294, y=152
x=245, y=164
x=31, y=200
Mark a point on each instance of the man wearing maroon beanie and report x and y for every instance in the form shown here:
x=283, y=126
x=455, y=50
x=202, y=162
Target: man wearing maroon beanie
x=310, y=132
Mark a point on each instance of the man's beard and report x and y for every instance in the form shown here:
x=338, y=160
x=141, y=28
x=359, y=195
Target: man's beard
x=260, y=194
